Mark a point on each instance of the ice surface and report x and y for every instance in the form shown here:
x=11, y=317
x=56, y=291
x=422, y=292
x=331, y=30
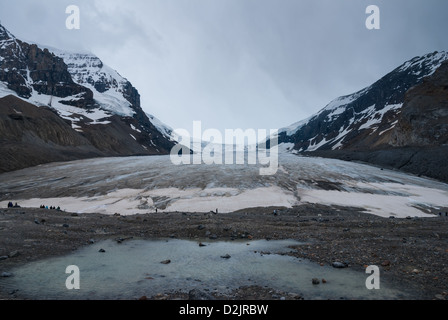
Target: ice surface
x=134, y=185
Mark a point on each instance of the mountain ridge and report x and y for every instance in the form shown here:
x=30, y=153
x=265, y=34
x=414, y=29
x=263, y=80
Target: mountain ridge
x=335, y=116
x=92, y=98
x=364, y=126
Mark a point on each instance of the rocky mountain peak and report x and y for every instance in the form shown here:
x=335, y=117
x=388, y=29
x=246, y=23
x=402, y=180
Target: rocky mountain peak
x=93, y=99
x=400, y=121
x=353, y=120
x=29, y=70
x=5, y=34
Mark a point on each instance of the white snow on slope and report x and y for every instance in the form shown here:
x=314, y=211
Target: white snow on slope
x=374, y=118
x=166, y=130
x=432, y=60
x=98, y=116
x=86, y=69
x=69, y=112
x=337, y=106
x=4, y=91
x=341, y=102
x=290, y=130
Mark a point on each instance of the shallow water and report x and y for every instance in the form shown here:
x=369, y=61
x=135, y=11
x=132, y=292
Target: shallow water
x=133, y=268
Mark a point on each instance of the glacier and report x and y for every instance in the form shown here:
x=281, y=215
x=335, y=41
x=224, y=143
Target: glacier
x=137, y=185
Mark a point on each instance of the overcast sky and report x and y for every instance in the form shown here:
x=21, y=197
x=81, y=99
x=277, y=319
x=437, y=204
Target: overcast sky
x=238, y=63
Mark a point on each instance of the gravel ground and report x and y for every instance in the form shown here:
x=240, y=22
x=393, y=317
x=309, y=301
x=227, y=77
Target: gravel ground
x=411, y=253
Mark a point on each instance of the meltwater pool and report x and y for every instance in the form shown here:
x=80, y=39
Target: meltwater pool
x=135, y=268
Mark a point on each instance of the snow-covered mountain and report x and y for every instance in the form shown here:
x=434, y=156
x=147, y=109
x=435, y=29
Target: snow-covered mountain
x=94, y=99
x=361, y=119
x=110, y=89
x=400, y=121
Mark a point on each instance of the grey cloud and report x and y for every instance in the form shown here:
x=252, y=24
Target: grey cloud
x=238, y=63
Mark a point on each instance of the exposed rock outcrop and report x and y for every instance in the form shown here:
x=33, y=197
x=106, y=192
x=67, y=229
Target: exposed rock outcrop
x=423, y=120
x=30, y=135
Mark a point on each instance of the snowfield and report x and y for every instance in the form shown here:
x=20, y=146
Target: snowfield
x=136, y=185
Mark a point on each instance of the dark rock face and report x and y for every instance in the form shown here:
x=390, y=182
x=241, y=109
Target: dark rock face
x=24, y=122
x=424, y=116
x=30, y=136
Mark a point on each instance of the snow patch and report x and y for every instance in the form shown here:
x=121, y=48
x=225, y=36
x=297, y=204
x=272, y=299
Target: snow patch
x=97, y=116
x=5, y=91
x=431, y=60
x=314, y=146
x=135, y=129
x=382, y=204
x=137, y=201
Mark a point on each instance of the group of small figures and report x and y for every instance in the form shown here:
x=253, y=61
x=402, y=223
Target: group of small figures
x=11, y=205
x=51, y=207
